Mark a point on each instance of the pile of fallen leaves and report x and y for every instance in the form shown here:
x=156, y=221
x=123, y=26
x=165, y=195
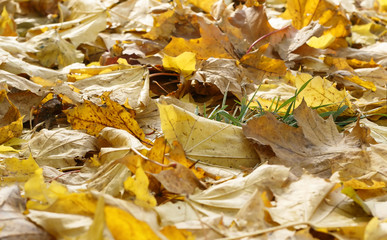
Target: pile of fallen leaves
x=105, y=130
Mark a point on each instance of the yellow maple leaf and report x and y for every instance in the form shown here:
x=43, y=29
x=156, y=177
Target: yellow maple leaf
x=139, y=187
x=212, y=43
x=93, y=118
x=184, y=63
x=361, y=82
x=205, y=5
x=320, y=92
x=123, y=225
x=362, y=34
x=355, y=63
x=321, y=42
x=260, y=61
x=7, y=24
x=172, y=233
x=40, y=195
x=11, y=125
x=303, y=12
x=18, y=170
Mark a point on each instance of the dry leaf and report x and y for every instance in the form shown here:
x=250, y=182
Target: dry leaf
x=53, y=51
x=314, y=146
x=130, y=84
x=138, y=185
x=207, y=140
x=58, y=148
x=7, y=24
x=93, y=118
x=14, y=224
x=210, y=36
x=11, y=122
x=18, y=170
x=179, y=180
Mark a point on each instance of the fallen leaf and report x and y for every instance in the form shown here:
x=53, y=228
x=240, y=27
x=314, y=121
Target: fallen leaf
x=376, y=229
x=41, y=196
x=61, y=225
x=185, y=63
x=11, y=123
x=79, y=30
x=228, y=197
x=304, y=12
x=313, y=146
x=119, y=142
x=206, y=140
x=94, y=118
x=59, y=148
x=122, y=224
x=204, y=5
x=18, y=170
x=128, y=84
x=321, y=42
x=262, y=62
x=320, y=92
x=14, y=224
x=135, y=15
x=53, y=51
x=139, y=187
x=244, y=26
x=179, y=180
x=298, y=201
x=362, y=34
x=7, y=24
x=223, y=73
x=210, y=36
x=172, y=233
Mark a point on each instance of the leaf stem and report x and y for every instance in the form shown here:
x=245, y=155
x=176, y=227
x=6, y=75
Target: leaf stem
x=265, y=36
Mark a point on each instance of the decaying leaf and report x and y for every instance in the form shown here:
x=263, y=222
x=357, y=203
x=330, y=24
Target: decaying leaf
x=314, y=146
x=141, y=165
x=59, y=148
x=179, y=180
x=124, y=83
x=94, y=118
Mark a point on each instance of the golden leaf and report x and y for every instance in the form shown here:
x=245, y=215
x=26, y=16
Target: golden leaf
x=11, y=125
x=123, y=225
x=94, y=118
x=139, y=187
x=184, y=63
x=7, y=24
x=18, y=170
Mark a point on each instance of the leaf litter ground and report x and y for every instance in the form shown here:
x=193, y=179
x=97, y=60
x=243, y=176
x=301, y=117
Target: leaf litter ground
x=193, y=119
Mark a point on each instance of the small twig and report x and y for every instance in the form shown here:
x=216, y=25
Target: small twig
x=267, y=230
x=200, y=220
x=163, y=74
x=61, y=175
x=263, y=37
x=161, y=87
x=173, y=165
x=71, y=168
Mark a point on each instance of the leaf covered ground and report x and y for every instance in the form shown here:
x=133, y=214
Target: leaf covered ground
x=192, y=119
